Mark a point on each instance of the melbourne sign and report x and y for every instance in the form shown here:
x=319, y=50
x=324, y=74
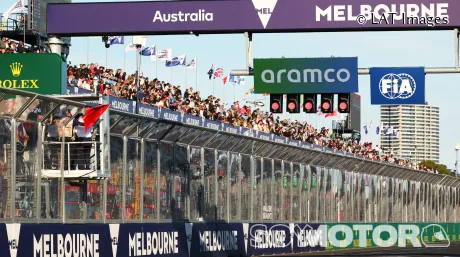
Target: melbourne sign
x=306, y=75
x=397, y=85
x=218, y=16
x=37, y=73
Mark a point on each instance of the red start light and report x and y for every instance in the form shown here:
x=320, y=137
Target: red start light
x=343, y=106
x=275, y=106
x=326, y=105
x=308, y=106
x=291, y=106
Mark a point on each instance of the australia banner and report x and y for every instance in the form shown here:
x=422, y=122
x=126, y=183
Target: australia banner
x=258, y=16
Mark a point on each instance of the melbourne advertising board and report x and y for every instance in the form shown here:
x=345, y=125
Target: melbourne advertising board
x=36, y=73
x=306, y=75
x=265, y=16
x=397, y=86
x=183, y=239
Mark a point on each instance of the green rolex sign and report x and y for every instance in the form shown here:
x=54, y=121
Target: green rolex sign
x=37, y=73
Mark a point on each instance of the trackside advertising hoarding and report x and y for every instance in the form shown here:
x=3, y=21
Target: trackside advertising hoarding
x=182, y=239
x=218, y=16
x=306, y=75
x=36, y=73
x=397, y=86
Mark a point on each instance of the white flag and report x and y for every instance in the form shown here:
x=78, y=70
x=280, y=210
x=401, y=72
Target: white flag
x=192, y=64
x=16, y=8
x=163, y=55
x=130, y=47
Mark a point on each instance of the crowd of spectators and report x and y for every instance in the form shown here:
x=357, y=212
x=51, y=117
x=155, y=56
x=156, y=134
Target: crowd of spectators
x=165, y=95
x=162, y=94
x=10, y=46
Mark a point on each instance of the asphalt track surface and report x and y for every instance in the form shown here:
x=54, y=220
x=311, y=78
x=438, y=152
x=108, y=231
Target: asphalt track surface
x=452, y=250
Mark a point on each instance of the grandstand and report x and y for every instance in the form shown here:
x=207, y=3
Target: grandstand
x=193, y=165
x=105, y=81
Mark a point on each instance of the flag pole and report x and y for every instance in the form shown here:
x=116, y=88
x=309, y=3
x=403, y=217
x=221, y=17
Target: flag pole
x=171, y=75
x=124, y=55
x=186, y=85
x=213, y=88
x=234, y=92
x=156, y=68
x=87, y=51
x=106, y=58
x=196, y=74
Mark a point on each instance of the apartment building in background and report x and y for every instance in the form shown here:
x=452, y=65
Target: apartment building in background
x=418, y=127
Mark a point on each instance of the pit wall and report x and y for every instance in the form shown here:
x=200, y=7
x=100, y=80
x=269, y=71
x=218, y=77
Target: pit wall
x=198, y=239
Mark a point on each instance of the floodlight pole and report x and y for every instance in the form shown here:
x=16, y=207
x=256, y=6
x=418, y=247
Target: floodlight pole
x=248, y=37
x=361, y=71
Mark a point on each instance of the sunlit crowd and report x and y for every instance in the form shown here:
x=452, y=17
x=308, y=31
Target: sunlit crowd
x=155, y=92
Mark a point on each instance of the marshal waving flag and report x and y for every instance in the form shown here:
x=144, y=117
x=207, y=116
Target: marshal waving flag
x=163, y=55
x=177, y=61
x=192, y=64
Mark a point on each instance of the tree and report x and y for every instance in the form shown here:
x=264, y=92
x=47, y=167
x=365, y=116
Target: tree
x=442, y=169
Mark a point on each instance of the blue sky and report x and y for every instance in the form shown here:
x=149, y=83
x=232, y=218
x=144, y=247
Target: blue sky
x=373, y=49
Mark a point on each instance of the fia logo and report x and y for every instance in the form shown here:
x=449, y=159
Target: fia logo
x=264, y=9
x=397, y=86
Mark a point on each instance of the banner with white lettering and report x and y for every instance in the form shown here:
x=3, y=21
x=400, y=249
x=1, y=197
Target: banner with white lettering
x=75, y=91
x=309, y=238
x=152, y=239
x=212, y=124
x=216, y=239
x=247, y=132
x=192, y=120
x=305, y=145
x=147, y=110
x=264, y=136
x=278, y=139
x=58, y=240
x=268, y=238
x=318, y=147
x=121, y=104
x=170, y=115
x=231, y=129
x=293, y=142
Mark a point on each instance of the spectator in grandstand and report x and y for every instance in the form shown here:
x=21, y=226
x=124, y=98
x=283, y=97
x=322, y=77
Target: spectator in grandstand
x=164, y=95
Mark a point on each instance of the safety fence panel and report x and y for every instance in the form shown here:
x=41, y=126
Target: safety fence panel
x=184, y=239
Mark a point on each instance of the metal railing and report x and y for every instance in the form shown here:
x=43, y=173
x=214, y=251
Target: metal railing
x=159, y=170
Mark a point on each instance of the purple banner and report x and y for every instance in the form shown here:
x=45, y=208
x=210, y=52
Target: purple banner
x=215, y=17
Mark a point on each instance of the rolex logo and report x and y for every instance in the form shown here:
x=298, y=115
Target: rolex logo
x=16, y=69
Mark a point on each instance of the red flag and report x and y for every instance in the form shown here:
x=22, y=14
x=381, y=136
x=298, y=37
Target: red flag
x=92, y=114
